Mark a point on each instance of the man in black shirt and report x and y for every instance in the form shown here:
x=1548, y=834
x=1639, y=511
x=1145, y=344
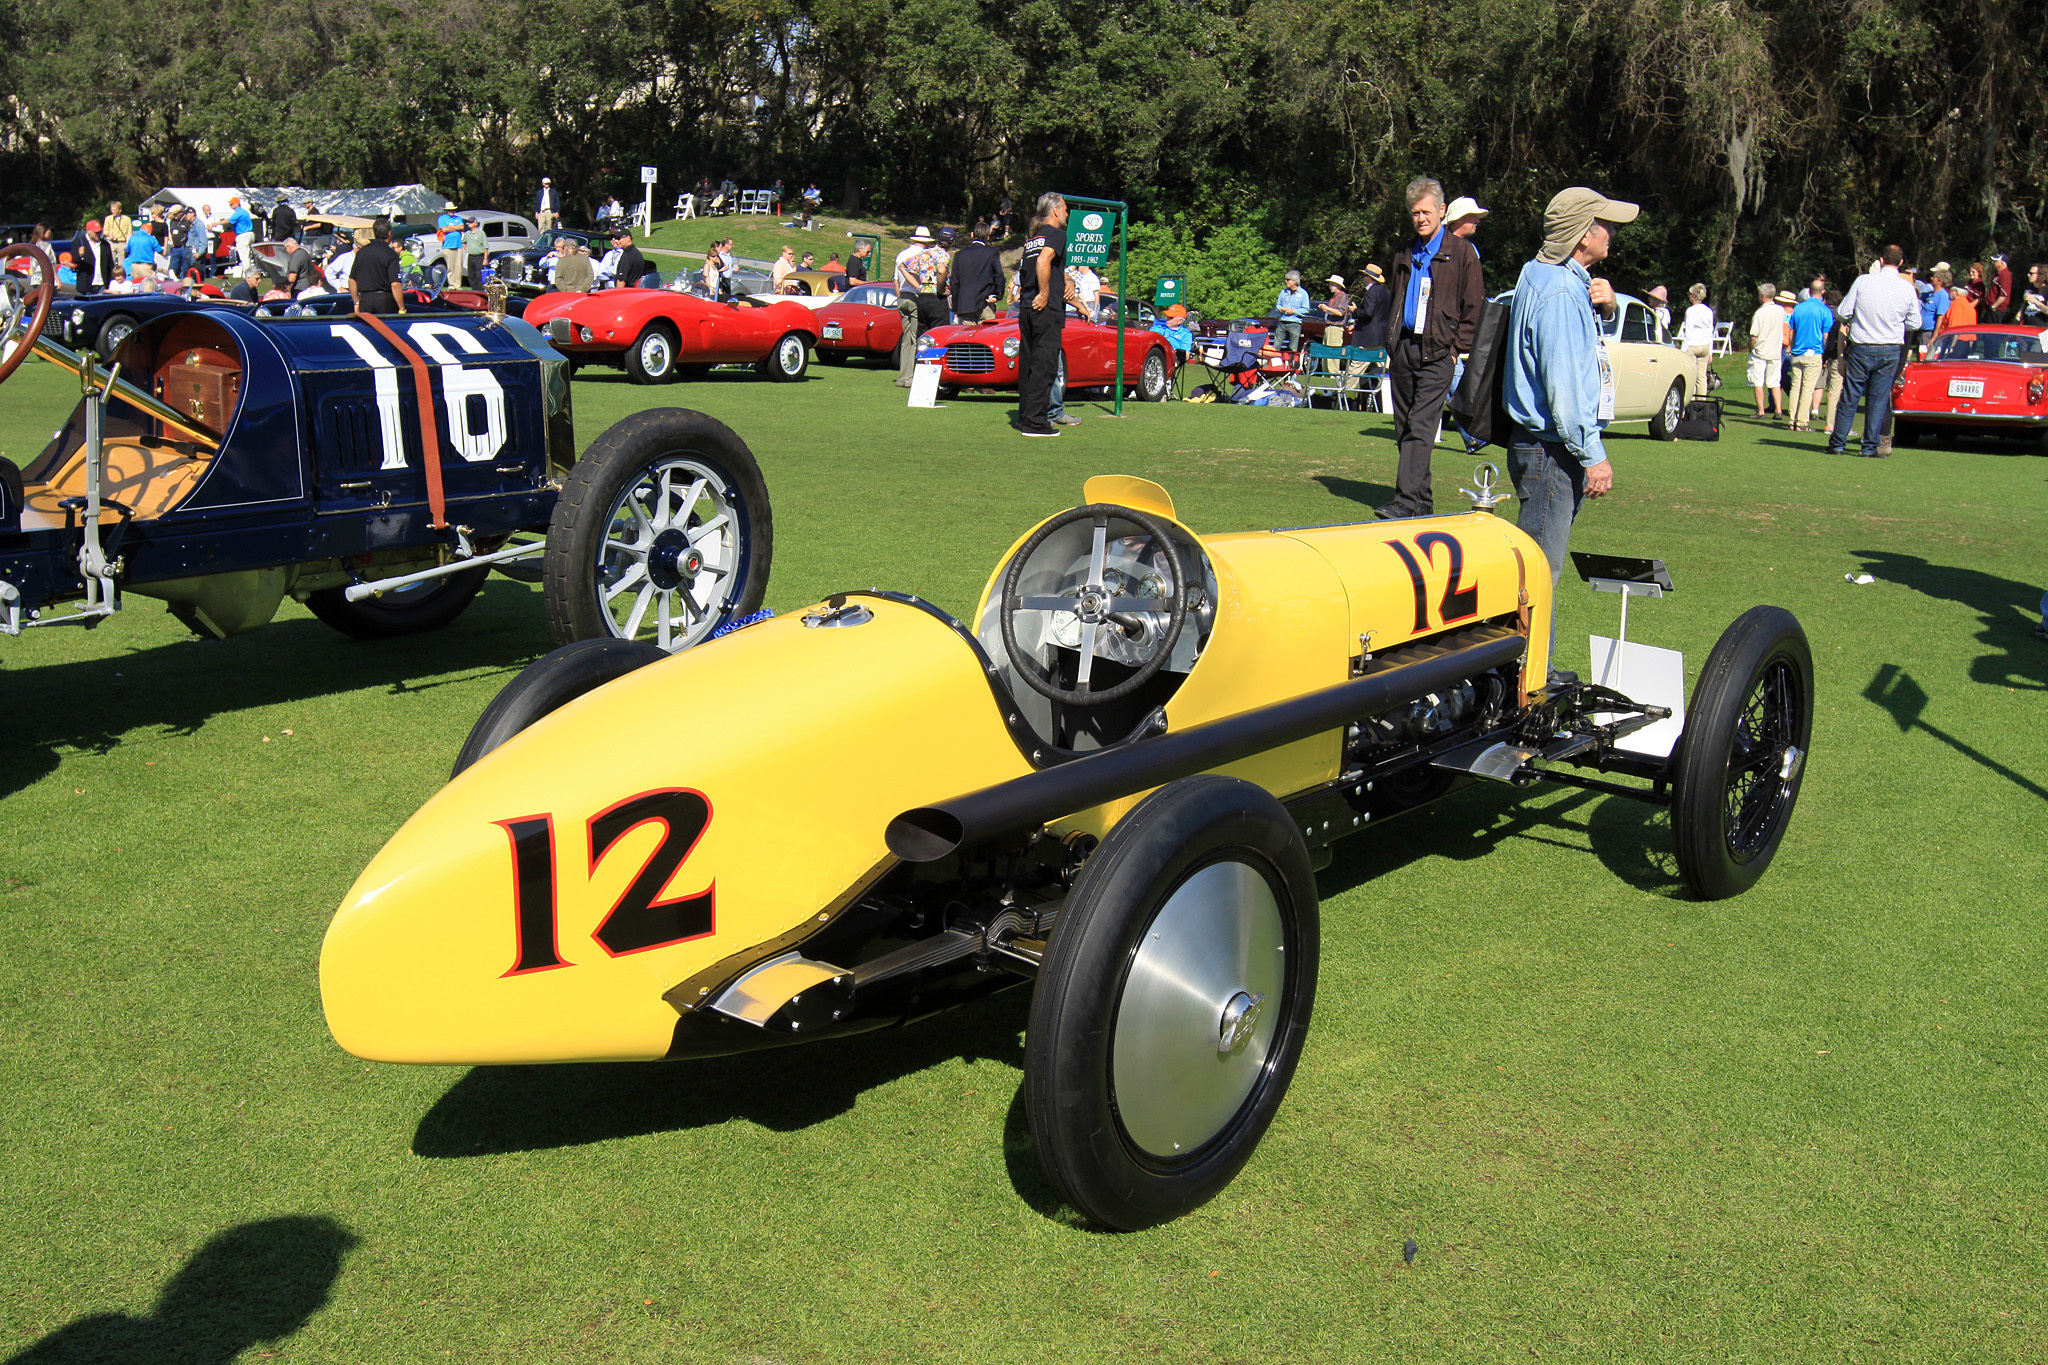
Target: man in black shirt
x=857, y=264
x=283, y=221
x=1041, y=314
x=373, y=281
x=977, y=280
x=632, y=265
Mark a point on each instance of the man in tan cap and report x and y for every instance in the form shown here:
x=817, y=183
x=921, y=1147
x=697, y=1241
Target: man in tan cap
x=1559, y=387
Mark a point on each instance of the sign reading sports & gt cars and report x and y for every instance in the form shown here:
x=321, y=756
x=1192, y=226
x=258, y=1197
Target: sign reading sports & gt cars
x=1088, y=234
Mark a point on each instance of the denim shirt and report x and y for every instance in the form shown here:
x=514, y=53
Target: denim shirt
x=1297, y=299
x=1553, y=374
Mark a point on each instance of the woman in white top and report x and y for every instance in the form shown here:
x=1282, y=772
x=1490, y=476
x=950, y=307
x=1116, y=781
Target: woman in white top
x=1697, y=336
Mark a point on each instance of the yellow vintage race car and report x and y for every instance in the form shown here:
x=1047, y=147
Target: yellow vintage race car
x=1115, y=782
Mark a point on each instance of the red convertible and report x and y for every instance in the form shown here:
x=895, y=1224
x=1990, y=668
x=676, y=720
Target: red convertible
x=862, y=323
x=657, y=334
x=984, y=356
x=1977, y=381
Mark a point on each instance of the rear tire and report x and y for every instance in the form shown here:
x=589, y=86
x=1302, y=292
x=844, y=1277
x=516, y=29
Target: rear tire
x=548, y=684
x=1173, y=1002
x=633, y=554
x=1664, y=422
x=1155, y=377
x=1742, y=756
x=410, y=610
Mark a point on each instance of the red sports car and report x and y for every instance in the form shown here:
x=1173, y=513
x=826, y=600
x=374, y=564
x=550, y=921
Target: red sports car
x=862, y=323
x=984, y=356
x=657, y=334
x=1977, y=381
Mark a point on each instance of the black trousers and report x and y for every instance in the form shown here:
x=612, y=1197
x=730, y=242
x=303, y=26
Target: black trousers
x=1420, y=387
x=1038, y=360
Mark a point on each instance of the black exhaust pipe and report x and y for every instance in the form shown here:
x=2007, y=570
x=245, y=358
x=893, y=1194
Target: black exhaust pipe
x=929, y=833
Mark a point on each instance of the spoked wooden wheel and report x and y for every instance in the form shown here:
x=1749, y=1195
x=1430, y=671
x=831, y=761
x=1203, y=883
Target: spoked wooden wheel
x=662, y=533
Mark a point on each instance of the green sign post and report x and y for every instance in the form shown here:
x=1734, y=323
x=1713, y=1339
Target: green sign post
x=1169, y=290
x=1089, y=224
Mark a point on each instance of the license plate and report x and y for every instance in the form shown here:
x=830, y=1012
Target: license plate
x=832, y=332
x=1966, y=388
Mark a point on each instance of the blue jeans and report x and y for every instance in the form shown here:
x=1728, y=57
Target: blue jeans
x=1551, y=484
x=1870, y=369
x=1287, y=334
x=1057, y=406
x=180, y=261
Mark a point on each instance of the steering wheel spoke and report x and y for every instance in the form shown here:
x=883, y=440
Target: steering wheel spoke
x=1093, y=605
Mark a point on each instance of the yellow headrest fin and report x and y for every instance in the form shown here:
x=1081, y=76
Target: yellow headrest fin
x=1127, y=491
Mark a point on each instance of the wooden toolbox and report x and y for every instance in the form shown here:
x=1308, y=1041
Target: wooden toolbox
x=201, y=384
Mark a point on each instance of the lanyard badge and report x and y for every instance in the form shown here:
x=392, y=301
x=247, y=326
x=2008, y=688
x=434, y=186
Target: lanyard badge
x=1606, y=385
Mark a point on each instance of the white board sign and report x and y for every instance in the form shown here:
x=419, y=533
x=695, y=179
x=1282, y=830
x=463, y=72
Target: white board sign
x=924, y=384
x=1644, y=673
x=647, y=175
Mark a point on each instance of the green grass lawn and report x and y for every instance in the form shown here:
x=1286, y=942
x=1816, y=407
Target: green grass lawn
x=761, y=238
x=1805, y=1124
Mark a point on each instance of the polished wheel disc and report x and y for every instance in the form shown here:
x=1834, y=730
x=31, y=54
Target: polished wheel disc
x=1200, y=1005
x=790, y=354
x=655, y=355
x=670, y=547
x=1672, y=410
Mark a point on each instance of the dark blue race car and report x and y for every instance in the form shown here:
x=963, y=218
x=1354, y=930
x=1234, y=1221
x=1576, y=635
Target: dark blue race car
x=233, y=455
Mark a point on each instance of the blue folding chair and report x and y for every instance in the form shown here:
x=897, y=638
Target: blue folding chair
x=1325, y=374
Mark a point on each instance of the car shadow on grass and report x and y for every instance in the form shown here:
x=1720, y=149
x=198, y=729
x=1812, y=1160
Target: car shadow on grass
x=92, y=704
x=253, y=1284
x=495, y=1110
x=1370, y=495
x=2008, y=611
x=1632, y=839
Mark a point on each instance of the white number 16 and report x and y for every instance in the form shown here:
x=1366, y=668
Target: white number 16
x=458, y=383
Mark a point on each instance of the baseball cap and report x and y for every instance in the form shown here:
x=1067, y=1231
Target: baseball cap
x=93, y=225
x=1177, y=311
x=545, y=181
x=1571, y=213
x=1465, y=206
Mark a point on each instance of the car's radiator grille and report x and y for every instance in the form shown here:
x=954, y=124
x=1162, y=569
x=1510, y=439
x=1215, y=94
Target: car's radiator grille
x=970, y=357
x=560, y=329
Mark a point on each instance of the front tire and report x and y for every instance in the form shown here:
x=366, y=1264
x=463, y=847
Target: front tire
x=1664, y=422
x=1173, y=1002
x=1742, y=756
x=113, y=332
x=651, y=359
x=1155, y=379
x=790, y=359
x=548, y=684
x=663, y=531
x=409, y=610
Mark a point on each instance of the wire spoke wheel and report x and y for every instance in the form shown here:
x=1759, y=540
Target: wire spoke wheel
x=1742, y=757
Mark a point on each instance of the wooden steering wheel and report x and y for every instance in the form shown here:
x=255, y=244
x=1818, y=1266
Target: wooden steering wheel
x=33, y=304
